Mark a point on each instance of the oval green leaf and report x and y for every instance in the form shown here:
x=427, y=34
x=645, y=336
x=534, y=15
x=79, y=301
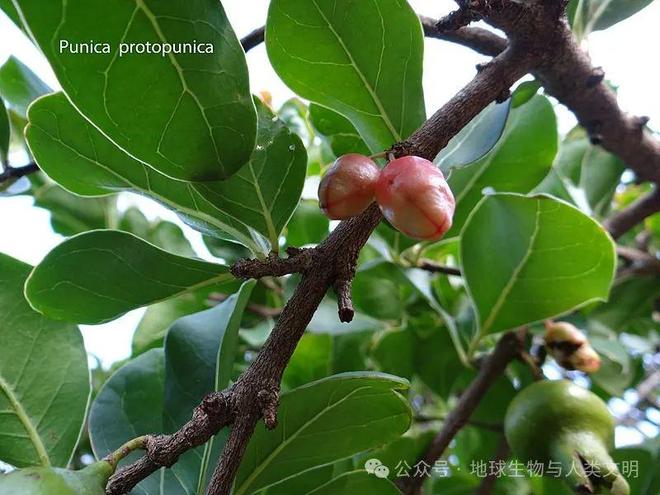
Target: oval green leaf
x=361, y=59
x=525, y=259
x=5, y=133
x=200, y=350
x=19, y=86
x=366, y=408
x=100, y=275
x=261, y=197
x=342, y=136
x=187, y=115
x=518, y=162
x=357, y=482
x=127, y=406
x=475, y=139
x=44, y=380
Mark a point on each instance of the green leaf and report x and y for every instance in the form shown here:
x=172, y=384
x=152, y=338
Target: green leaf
x=98, y=276
x=200, y=351
x=322, y=422
x=44, y=380
x=71, y=214
x=303, y=483
x=262, y=196
x=475, y=139
x=308, y=225
x=584, y=174
x=127, y=406
x=616, y=371
x=542, y=258
x=311, y=361
x=189, y=116
x=8, y=8
x=405, y=450
x=294, y=113
x=361, y=59
x=5, y=133
x=19, y=86
x=587, y=16
x=357, y=482
x=631, y=300
x=161, y=233
x=524, y=92
x=518, y=162
x=153, y=326
x=377, y=293
x=342, y=136
x=227, y=250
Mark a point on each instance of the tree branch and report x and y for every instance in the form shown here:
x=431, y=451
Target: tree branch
x=478, y=39
x=508, y=348
x=433, y=267
x=253, y=39
x=11, y=173
x=624, y=220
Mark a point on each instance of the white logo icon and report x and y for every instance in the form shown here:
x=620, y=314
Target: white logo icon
x=377, y=468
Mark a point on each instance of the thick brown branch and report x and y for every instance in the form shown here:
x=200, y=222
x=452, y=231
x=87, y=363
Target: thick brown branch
x=508, y=348
x=624, y=220
x=11, y=173
x=253, y=39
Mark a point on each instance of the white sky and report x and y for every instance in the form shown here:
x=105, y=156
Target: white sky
x=626, y=51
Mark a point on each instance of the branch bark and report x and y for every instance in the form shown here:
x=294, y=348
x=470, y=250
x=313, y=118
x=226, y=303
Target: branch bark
x=11, y=173
x=253, y=39
x=624, y=220
x=508, y=348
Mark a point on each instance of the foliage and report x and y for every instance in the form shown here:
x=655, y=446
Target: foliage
x=185, y=131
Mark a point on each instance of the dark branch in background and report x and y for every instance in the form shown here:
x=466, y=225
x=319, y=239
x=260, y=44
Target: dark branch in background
x=257, y=309
x=11, y=173
x=508, y=348
x=624, y=220
x=433, y=267
x=253, y=39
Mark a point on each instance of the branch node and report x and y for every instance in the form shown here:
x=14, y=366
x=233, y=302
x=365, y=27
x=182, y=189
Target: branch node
x=342, y=288
x=641, y=121
x=158, y=455
x=596, y=77
x=269, y=400
x=457, y=19
x=503, y=96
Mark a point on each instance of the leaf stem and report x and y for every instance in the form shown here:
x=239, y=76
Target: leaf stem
x=138, y=443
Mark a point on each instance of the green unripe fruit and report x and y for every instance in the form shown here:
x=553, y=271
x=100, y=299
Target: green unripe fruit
x=54, y=481
x=560, y=422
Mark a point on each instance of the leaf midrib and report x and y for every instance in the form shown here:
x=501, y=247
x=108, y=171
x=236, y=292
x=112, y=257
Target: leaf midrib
x=514, y=275
x=23, y=417
x=375, y=98
x=266, y=462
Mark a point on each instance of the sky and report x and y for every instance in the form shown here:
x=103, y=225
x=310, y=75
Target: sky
x=625, y=51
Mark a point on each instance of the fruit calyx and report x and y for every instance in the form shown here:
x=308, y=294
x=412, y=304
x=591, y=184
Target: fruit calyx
x=570, y=347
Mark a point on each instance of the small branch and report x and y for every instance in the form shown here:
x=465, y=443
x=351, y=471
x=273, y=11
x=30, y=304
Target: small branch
x=299, y=261
x=10, y=173
x=138, y=443
x=253, y=39
x=214, y=413
x=508, y=348
x=431, y=266
x=624, y=220
x=639, y=263
x=478, y=39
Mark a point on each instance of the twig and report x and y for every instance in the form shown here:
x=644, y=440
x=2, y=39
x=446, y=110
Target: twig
x=253, y=39
x=432, y=266
x=624, y=220
x=507, y=349
x=478, y=39
x=10, y=173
